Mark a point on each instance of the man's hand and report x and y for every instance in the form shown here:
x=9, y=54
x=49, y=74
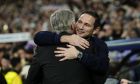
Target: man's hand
x=125, y=81
x=67, y=53
x=75, y=40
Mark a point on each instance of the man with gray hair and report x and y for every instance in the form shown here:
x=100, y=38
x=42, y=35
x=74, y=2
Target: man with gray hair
x=47, y=69
x=62, y=20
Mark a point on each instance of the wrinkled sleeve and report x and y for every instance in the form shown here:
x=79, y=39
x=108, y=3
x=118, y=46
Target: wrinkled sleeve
x=44, y=38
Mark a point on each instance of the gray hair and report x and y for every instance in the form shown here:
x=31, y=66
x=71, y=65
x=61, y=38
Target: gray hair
x=61, y=20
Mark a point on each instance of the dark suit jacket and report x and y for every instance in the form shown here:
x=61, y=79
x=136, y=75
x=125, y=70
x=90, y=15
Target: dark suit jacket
x=47, y=69
x=95, y=58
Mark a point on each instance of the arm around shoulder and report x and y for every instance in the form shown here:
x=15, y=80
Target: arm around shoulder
x=44, y=38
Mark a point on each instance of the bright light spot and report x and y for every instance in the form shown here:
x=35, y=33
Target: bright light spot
x=5, y=27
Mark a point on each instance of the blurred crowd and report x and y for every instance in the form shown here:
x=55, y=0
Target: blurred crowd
x=120, y=19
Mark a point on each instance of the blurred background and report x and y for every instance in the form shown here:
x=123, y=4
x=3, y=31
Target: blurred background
x=20, y=20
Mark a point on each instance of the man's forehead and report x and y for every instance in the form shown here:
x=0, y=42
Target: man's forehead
x=87, y=17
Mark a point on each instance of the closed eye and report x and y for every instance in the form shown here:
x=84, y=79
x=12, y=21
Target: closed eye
x=79, y=21
x=87, y=24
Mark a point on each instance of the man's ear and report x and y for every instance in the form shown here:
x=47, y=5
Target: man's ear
x=96, y=30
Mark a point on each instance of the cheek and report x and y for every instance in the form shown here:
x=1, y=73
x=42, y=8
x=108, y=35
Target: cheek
x=78, y=25
x=89, y=30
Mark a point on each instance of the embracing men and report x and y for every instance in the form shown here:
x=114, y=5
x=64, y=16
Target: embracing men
x=67, y=58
